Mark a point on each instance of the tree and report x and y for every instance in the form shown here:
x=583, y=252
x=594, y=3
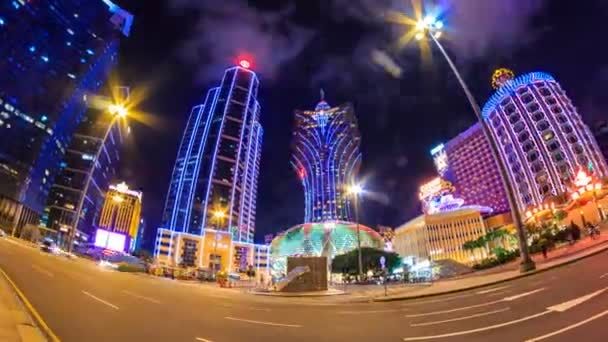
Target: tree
x=348, y=262
x=560, y=215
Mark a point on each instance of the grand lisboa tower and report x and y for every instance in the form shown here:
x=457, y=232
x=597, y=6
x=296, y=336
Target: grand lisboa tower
x=540, y=136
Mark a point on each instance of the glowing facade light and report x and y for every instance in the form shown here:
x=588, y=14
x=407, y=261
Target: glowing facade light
x=437, y=34
x=245, y=63
x=419, y=36
x=439, y=24
x=118, y=110
x=429, y=20
x=326, y=157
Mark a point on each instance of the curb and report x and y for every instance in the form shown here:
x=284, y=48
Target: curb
x=295, y=295
x=474, y=287
x=40, y=323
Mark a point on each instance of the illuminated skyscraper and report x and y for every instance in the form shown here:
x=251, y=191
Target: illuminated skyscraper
x=466, y=161
x=326, y=157
x=218, y=161
x=53, y=53
x=540, y=136
x=66, y=191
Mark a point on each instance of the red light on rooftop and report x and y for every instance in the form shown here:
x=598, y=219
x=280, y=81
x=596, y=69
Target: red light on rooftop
x=245, y=63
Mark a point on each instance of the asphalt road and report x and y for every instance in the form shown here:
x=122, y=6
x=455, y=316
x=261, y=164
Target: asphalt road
x=82, y=302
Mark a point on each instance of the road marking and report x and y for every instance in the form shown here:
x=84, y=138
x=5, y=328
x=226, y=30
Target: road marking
x=41, y=323
x=101, y=300
x=574, y=302
x=202, y=339
x=467, y=332
x=369, y=311
x=494, y=289
x=441, y=300
x=604, y=276
x=460, y=318
x=43, y=271
x=508, y=299
x=152, y=300
x=570, y=327
x=263, y=323
x=455, y=310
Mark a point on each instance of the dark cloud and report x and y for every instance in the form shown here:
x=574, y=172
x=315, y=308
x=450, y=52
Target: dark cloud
x=228, y=29
x=225, y=29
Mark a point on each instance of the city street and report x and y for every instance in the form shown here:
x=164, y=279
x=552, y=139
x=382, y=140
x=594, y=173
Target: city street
x=81, y=301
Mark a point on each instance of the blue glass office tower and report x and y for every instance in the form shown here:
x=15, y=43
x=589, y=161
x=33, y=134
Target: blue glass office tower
x=218, y=161
x=326, y=158
x=54, y=52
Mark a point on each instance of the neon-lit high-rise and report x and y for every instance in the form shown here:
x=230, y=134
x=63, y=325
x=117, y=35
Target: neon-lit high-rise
x=53, y=53
x=326, y=158
x=540, y=136
x=209, y=215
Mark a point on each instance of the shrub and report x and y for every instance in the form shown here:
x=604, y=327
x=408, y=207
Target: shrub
x=131, y=268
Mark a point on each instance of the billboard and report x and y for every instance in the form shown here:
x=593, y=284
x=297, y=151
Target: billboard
x=110, y=240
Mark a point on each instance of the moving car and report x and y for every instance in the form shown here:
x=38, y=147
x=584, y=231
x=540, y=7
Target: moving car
x=2, y=233
x=49, y=247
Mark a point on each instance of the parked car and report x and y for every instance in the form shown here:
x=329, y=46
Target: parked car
x=49, y=246
x=2, y=233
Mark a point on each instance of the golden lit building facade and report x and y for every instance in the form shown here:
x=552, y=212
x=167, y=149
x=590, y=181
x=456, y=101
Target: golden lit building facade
x=121, y=213
x=442, y=235
x=213, y=249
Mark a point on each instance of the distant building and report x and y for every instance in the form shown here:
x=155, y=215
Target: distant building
x=216, y=171
x=67, y=188
x=326, y=158
x=119, y=219
x=441, y=236
x=600, y=130
x=541, y=137
x=466, y=161
x=53, y=54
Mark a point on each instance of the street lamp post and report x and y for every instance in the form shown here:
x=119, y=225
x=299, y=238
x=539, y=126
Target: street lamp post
x=432, y=27
x=355, y=190
x=219, y=215
x=118, y=112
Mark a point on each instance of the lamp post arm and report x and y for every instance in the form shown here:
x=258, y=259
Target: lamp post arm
x=87, y=183
x=526, y=262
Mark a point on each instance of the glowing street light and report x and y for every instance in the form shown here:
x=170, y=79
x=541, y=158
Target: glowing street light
x=219, y=216
x=430, y=26
x=355, y=190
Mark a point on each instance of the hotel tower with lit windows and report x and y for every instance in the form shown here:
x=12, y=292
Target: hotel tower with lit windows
x=216, y=171
x=119, y=220
x=53, y=53
x=326, y=158
x=540, y=136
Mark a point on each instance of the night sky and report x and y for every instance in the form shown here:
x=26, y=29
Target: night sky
x=178, y=49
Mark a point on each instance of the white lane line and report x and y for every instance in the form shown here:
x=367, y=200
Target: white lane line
x=467, y=332
x=362, y=312
x=151, y=300
x=574, y=302
x=263, y=323
x=101, y=300
x=441, y=300
x=508, y=299
x=43, y=271
x=454, y=310
x=460, y=318
x=570, y=327
x=493, y=290
x=245, y=308
x=604, y=276
x=202, y=339
x=511, y=298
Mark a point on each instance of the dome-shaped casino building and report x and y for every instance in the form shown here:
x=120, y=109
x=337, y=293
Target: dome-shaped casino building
x=540, y=136
x=320, y=239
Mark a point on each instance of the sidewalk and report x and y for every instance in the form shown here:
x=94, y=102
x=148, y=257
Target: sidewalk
x=15, y=323
x=556, y=258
